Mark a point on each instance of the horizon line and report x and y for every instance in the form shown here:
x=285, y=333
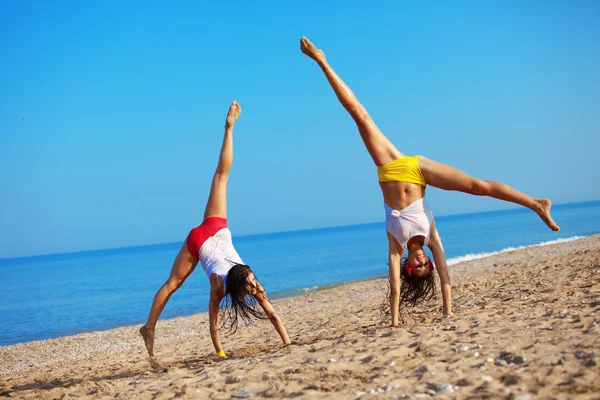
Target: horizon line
x=141, y=246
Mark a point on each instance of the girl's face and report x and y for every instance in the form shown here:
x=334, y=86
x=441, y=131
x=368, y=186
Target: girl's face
x=420, y=263
x=251, y=284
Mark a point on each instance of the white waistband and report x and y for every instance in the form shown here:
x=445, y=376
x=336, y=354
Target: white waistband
x=417, y=205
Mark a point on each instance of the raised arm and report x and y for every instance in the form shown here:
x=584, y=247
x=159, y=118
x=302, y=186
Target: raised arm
x=261, y=298
x=394, y=258
x=435, y=245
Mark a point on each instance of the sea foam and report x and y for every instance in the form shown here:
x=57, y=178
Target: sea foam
x=469, y=257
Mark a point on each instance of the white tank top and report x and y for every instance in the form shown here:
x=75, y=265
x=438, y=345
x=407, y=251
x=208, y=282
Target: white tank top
x=217, y=255
x=414, y=220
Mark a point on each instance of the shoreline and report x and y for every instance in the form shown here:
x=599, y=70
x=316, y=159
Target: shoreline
x=534, y=312
x=294, y=293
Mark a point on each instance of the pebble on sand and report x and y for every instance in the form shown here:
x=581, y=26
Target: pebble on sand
x=591, y=327
x=233, y=379
x=523, y=397
x=241, y=395
x=463, y=382
x=446, y=387
x=391, y=386
x=518, y=359
x=589, y=363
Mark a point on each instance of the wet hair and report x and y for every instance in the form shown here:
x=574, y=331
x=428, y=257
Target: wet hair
x=238, y=304
x=414, y=290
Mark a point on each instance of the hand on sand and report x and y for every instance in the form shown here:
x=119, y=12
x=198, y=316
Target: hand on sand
x=221, y=354
x=441, y=317
x=447, y=315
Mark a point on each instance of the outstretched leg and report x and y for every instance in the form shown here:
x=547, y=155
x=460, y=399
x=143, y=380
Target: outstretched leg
x=183, y=266
x=382, y=151
x=217, y=199
x=448, y=178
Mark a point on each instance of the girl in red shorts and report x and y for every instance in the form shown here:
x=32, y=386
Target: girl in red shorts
x=211, y=245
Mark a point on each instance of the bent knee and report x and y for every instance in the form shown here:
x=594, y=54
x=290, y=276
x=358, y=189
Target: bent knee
x=479, y=187
x=359, y=114
x=220, y=177
x=174, y=283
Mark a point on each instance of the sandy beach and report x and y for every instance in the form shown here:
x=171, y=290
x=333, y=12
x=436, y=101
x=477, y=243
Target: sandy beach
x=525, y=327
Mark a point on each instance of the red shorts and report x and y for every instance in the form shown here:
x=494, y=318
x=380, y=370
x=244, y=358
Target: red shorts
x=201, y=233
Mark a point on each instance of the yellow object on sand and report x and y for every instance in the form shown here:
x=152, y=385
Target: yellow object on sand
x=221, y=354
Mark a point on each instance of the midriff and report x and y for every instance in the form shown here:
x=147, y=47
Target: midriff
x=398, y=195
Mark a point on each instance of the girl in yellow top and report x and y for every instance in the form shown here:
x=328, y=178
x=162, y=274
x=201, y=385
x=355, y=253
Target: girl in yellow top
x=409, y=221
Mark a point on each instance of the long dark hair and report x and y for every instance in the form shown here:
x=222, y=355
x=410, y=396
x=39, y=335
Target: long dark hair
x=238, y=304
x=414, y=291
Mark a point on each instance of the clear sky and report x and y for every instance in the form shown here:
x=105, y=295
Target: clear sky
x=112, y=112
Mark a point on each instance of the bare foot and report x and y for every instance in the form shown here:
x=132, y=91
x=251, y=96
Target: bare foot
x=544, y=213
x=154, y=364
x=233, y=114
x=148, y=336
x=310, y=50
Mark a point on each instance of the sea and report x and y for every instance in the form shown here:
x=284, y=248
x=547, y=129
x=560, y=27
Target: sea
x=57, y=295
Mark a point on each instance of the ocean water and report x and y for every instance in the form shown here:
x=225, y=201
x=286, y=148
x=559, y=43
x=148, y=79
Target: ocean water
x=56, y=295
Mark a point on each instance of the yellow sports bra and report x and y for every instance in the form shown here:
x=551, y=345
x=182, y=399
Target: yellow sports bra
x=403, y=169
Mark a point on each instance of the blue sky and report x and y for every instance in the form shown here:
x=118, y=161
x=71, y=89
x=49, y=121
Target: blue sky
x=111, y=113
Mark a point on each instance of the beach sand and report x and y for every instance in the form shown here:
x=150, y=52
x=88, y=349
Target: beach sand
x=526, y=326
